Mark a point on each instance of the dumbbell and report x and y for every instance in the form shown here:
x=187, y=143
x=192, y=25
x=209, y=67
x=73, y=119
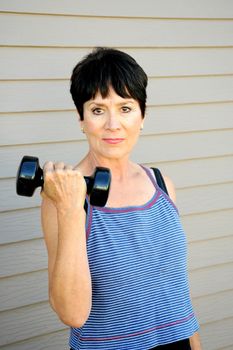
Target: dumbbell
x=30, y=176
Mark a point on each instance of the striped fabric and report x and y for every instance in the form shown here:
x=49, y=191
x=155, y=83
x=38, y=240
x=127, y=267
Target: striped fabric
x=137, y=258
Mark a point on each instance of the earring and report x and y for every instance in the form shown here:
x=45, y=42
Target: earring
x=141, y=128
x=82, y=129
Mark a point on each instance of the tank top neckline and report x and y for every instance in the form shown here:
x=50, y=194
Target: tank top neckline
x=144, y=206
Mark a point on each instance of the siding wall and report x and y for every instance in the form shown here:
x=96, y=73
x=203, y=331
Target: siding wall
x=186, y=47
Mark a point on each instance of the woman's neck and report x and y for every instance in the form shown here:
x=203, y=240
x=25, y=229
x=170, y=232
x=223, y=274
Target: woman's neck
x=121, y=169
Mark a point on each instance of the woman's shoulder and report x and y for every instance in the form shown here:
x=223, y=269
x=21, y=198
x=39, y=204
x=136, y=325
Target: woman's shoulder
x=170, y=187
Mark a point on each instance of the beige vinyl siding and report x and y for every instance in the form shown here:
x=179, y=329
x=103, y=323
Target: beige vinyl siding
x=156, y=32
x=186, y=48
x=148, y=8
x=48, y=63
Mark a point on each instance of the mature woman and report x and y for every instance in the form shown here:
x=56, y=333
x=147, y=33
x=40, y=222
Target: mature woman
x=117, y=274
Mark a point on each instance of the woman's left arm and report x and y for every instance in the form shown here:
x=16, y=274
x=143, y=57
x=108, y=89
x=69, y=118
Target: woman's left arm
x=195, y=339
x=170, y=188
x=195, y=342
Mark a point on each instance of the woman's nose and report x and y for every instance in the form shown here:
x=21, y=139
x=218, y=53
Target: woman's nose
x=113, y=122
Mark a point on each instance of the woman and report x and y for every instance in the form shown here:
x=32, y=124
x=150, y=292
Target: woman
x=117, y=275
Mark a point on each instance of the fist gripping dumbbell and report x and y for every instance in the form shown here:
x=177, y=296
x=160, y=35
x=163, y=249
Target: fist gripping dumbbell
x=30, y=176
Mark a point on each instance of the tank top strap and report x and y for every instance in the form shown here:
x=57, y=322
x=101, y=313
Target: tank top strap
x=151, y=175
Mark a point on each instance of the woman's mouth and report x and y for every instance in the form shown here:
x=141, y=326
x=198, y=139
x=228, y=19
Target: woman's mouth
x=113, y=141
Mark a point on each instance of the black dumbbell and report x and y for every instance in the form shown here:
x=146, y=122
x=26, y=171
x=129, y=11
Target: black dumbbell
x=30, y=176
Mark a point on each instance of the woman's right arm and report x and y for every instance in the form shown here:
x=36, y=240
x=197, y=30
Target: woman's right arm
x=63, y=224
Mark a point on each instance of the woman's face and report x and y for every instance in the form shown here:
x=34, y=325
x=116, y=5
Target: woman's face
x=112, y=125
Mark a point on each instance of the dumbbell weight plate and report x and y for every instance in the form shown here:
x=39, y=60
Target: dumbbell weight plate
x=29, y=176
x=101, y=185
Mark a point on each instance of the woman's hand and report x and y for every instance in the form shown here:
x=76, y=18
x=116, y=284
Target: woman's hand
x=64, y=185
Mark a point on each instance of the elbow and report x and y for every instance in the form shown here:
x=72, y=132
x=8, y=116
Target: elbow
x=73, y=321
x=73, y=316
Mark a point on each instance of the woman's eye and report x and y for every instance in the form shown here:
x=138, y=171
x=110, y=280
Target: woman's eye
x=125, y=109
x=97, y=111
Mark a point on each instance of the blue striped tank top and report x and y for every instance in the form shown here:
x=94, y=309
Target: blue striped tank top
x=140, y=291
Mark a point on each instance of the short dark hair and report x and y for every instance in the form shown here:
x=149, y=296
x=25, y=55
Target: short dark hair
x=104, y=68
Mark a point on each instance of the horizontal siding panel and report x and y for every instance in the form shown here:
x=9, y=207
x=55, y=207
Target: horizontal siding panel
x=149, y=8
x=171, y=147
x=162, y=148
x=35, y=96
x=39, y=127
x=215, y=307
x=54, y=95
x=217, y=335
x=22, y=290
x=12, y=201
x=23, y=257
x=183, y=61
x=197, y=172
x=210, y=225
x=167, y=91
x=37, y=30
x=28, y=322
x=53, y=341
x=205, y=198
x=211, y=252
x=20, y=225
x=211, y=280
x=57, y=63
x=69, y=152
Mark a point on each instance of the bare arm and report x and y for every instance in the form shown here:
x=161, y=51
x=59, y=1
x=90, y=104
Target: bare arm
x=63, y=223
x=194, y=339
x=195, y=342
x=171, y=188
